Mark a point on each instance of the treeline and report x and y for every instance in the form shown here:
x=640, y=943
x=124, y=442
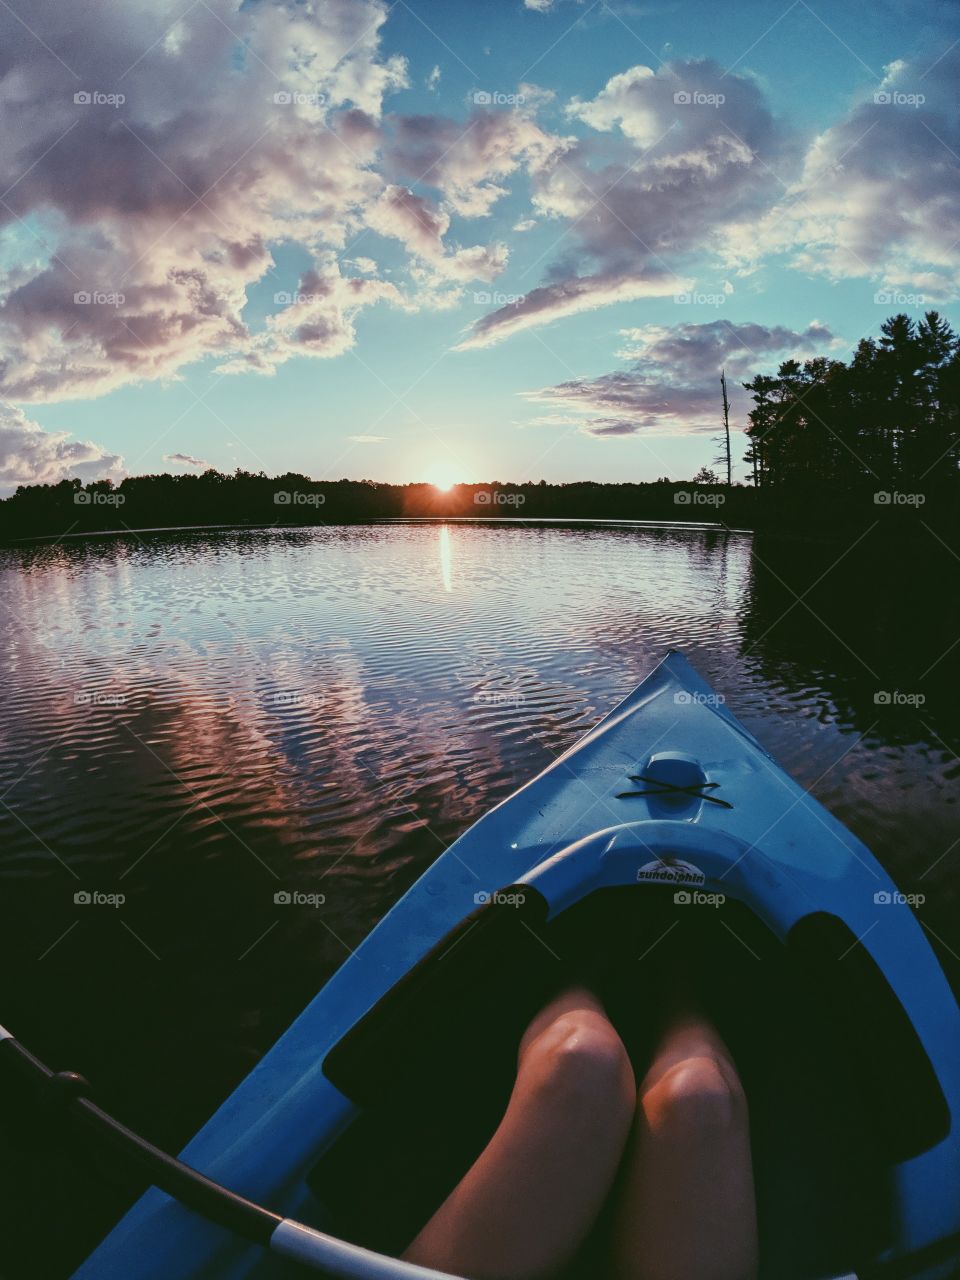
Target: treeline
x=258, y=500
x=888, y=418
x=245, y=498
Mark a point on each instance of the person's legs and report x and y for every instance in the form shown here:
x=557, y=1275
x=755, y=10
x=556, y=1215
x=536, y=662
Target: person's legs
x=686, y=1208
x=529, y=1201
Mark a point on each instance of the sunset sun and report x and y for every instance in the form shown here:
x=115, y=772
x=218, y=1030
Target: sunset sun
x=442, y=475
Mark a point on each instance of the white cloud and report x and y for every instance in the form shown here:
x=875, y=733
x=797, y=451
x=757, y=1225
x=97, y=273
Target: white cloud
x=420, y=225
x=186, y=459
x=318, y=319
x=467, y=160
x=879, y=193
x=30, y=455
x=247, y=126
x=411, y=219
x=673, y=385
x=689, y=152
x=567, y=298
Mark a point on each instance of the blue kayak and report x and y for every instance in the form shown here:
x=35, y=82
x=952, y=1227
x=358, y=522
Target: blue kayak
x=665, y=846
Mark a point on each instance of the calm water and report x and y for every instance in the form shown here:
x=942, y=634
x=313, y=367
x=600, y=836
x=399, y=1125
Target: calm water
x=197, y=721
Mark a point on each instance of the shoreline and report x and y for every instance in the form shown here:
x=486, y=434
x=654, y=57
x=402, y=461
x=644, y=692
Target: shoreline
x=786, y=531
x=489, y=521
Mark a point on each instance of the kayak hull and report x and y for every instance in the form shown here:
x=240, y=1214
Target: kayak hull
x=668, y=792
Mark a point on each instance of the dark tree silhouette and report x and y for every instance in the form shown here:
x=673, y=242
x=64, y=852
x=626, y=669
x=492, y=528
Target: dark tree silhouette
x=889, y=417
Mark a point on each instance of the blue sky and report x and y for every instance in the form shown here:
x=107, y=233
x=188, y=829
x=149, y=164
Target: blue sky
x=310, y=241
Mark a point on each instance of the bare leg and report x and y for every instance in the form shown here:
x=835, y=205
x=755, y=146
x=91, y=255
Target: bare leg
x=532, y=1196
x=687, y=1209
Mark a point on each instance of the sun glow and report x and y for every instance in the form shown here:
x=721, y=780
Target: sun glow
x=442, y=475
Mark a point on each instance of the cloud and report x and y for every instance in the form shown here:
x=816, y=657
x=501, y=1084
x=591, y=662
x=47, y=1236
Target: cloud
x=187, y=459
x=525, y=224
x=30, y=455
x=676, y=156
x=412, y=219
x=420, y=225
x=467, y=160
x=189, y=150
x=368, y=439
x=317, y=320
x=689, y=349
x=152, y=162
x=551, y=302
x=879, y=192
x=432, y=81
x=609, y=427
x=700, y=146
x=673, y=387
x=197, y=146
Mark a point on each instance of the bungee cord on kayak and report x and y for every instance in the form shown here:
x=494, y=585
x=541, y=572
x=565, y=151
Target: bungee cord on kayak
x=657, y=787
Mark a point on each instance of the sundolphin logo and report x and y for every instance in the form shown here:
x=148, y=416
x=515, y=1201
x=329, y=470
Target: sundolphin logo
x=672, y=872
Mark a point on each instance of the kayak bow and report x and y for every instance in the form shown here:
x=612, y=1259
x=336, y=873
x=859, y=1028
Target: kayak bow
x=665, y=839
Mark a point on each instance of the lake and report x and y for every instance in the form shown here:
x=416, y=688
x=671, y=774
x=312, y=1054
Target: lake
x=193, y=722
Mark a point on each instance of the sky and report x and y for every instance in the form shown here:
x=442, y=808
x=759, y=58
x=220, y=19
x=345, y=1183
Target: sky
x=447, y=241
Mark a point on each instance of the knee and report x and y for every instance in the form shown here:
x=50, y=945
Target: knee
x=579, y=1058
x=699, y=1093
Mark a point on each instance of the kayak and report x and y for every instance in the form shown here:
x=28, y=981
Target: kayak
x=665, y=845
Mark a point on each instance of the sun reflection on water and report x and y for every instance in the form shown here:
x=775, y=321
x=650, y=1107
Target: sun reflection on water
x=446, y=558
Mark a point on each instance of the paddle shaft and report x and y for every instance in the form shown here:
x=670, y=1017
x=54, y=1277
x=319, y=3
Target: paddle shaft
x=65, y=1092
